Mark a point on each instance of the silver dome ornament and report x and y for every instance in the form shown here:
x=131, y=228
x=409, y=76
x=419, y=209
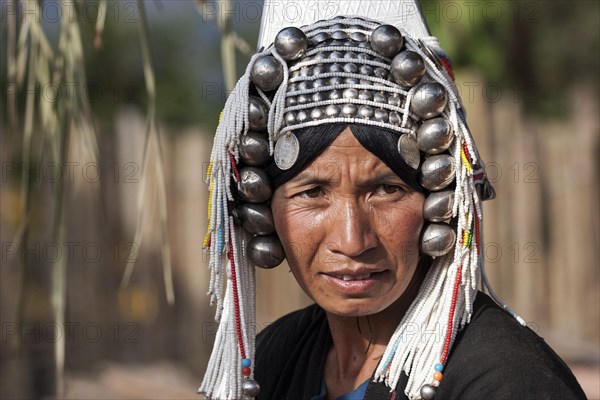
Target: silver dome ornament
x=395, y=118
x=386, y=40
x=349, y=110
x=250, y=388
x=254, y=148
x=438, y=239
x=438, y=206
x=427, y=392
x=256, y=218
x=332, y=110
x=408, y=149
x=286, y=151
x=290, y=43
x=365, y=95
x=319, y=37
x=290, y=118
x=381, y=115
x=350, y=93
x=267, y=73
x=435, y=136
x=254, y=185
x=365, y=112
x=437, y=172
x=429, y=100
x=258, y=113
x=301, y=116
x=265, y=251
x=381, y=73
x=407, y=68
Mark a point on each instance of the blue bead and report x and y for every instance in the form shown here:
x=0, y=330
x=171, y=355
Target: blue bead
x=439, y=367
x=246, y=363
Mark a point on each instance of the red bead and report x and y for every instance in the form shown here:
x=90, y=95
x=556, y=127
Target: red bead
x=246, y=371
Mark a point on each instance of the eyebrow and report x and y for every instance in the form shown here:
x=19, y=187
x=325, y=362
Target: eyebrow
x=307, y=177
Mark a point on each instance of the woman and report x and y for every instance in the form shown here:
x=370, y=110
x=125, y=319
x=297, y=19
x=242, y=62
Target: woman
x=369, y=183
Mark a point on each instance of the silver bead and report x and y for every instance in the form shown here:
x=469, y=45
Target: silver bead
x=358, y=36
x=290, y=118
x=318, y=96
x=254, y=148
x=339, y=35
x=290, y=43
x=351, y=81
x=349, y=110
x=265, y=251
x=395, y=118
x=365, y=95
x=305, y=71
x=364, y=45
x=304, y=85
x=427, y=392
x=335, y=94
x=351, y=68
x=256, y=218
x=350, y=93
x=381, y=73
x=407, y=68
x=409, y=150
x=316, y=113
x=250, y=388
x=319, y=83
x=438, y=206
x=301, y=116
x=365, y=112
x=435, y=135
x=320, y=37
x=336, y=68
x=336, y=55
x=291, y=101
x=303, y=99
x=350, y=55
x=437, y=172
x=336, y=80
x=258, y=113
x=364, y=56
x=254, y=185
x=395, y=100
x=437, y=239
x=386, y=40
x=267, y=73
x=332, y=110
x=366, y=70
x=381, y=115
x=379, y=97
x=338, y=26
x=429, y=100
x=319, y=69
x=320, y=56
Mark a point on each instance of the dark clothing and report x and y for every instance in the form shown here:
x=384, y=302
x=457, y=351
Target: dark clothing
x=493, y=357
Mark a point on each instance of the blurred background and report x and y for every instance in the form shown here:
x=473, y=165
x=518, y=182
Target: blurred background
x=107, y=117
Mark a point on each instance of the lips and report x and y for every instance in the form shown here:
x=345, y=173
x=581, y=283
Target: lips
x=355, y=281
x=352, y=277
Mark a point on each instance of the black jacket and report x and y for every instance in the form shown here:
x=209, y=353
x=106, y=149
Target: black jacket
x=493, y=357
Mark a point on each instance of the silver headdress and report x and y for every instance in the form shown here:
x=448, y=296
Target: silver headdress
x=353, y=70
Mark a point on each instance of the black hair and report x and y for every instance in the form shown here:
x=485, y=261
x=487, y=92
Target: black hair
x=313, y=141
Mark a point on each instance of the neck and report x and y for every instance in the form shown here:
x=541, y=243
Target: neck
x=359, y=342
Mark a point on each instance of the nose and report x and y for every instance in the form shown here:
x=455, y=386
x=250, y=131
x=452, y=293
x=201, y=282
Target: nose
x=352, y=231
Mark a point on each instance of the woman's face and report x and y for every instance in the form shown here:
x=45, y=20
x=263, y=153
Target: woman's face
x=350, y=229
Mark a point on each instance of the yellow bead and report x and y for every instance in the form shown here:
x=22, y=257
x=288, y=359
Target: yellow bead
x=437, y=376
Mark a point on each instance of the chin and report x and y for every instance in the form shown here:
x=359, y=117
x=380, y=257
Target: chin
x=354, y=307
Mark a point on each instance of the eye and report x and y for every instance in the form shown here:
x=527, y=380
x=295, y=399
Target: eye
x=312, y=193
x=390, y=189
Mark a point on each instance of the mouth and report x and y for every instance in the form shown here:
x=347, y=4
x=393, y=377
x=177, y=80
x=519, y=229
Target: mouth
x=355, y=282
x=349, y=277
